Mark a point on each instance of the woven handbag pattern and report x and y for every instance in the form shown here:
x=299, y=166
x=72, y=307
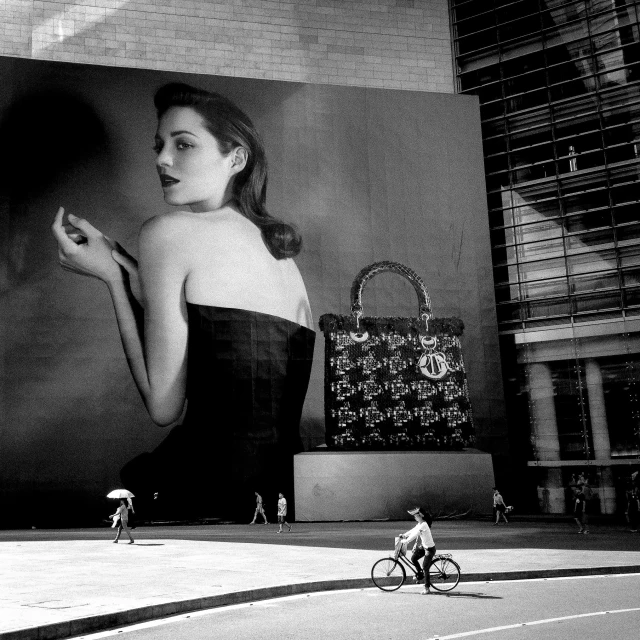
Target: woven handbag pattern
x=391, y=382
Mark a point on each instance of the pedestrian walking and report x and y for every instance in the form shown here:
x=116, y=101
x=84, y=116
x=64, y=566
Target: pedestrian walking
x=589, y=500
x=633, y=506
x=579, y=509
x=424, y=547
x=121, y=520
x=282, y=513
x=259, y=510
x=499, y=507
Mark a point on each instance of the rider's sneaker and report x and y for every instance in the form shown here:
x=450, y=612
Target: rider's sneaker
x=418, y=579
x=425, y=592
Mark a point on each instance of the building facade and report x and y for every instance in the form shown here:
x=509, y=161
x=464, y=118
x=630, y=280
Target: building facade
x=391, y=44
x=559, y=86
x=371, y=154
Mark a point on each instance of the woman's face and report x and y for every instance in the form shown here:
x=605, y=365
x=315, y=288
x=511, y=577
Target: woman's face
x=192, y=170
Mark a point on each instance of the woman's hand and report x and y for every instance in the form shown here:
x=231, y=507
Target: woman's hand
x=84, y=250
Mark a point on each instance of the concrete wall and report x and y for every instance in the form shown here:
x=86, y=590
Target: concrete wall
x=332, y=485
x=393, y=44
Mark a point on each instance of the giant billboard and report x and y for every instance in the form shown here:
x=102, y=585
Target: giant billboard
x=364, y=174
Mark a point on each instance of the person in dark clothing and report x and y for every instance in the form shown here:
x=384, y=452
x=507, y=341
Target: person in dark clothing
x=579, y=509
x=632, y=508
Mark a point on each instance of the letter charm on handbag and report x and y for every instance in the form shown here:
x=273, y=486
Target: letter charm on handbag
x=395, y=383
x=432, y=365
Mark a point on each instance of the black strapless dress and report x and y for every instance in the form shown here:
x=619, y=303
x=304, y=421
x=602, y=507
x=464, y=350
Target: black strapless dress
x=247, y=377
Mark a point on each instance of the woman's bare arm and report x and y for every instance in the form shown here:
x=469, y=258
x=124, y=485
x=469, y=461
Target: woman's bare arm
x=163, y=271
x=157, y=354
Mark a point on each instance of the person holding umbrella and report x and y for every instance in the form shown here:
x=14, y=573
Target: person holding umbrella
x=121, y=516
x=121, y=520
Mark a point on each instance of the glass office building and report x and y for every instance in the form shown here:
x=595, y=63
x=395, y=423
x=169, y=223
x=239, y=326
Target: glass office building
x=559, y=89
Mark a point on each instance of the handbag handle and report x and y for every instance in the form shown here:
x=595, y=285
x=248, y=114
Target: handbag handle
x=394, y=267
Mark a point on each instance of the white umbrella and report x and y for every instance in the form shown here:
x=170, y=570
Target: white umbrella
x=120, y=493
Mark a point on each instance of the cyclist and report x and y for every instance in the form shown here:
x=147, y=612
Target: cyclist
x=424, y=546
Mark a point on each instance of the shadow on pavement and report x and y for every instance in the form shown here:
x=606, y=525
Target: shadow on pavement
x=468, y=594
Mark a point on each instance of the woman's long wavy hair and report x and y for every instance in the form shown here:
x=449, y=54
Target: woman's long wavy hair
x=232, y=128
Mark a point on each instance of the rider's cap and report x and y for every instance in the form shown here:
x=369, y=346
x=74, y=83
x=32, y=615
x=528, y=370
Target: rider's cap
x=412, y=512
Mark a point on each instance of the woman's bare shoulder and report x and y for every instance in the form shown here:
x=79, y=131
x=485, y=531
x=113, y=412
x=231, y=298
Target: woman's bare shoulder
x=169, y=222
x=225, y=226
x=167, y=230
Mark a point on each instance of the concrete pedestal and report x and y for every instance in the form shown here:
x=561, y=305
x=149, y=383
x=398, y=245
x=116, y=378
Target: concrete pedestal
x=371, y=485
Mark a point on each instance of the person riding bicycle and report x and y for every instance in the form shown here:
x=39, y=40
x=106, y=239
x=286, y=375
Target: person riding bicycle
x=424, y=546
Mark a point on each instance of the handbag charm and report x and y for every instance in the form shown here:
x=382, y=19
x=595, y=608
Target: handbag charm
x=392, y=382
x=432, y=364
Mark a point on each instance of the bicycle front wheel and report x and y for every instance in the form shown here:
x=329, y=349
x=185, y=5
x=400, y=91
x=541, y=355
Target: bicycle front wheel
x=388, y=574
x=444, y=574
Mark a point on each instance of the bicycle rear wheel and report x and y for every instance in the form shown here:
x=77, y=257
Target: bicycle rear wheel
x=444, y=574
x=388, y=574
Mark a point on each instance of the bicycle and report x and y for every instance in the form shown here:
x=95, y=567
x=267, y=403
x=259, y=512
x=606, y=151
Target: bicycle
x=389, y=574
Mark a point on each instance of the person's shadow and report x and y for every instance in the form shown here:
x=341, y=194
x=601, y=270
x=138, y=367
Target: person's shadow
x=467, y=594
x=458, y=594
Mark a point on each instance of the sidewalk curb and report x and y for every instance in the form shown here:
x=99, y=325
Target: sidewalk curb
x=92, y=624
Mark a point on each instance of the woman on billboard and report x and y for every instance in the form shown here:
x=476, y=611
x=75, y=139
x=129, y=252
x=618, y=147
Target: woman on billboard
x=214, y=315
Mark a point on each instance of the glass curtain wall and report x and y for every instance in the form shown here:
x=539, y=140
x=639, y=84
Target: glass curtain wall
x=559, y=89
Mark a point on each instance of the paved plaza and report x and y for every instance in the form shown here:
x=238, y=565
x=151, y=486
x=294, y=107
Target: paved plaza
x=60, y=583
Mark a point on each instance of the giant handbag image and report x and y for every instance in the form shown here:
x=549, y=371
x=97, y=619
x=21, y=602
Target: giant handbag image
x=395, y=382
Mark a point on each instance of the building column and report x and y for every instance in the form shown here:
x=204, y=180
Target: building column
x=545, y=432
x=600, y=434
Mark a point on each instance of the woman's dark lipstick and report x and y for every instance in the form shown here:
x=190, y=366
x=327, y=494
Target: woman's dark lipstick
x=167, y=180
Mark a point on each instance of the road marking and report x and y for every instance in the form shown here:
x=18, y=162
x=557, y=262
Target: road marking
x=466, y=634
